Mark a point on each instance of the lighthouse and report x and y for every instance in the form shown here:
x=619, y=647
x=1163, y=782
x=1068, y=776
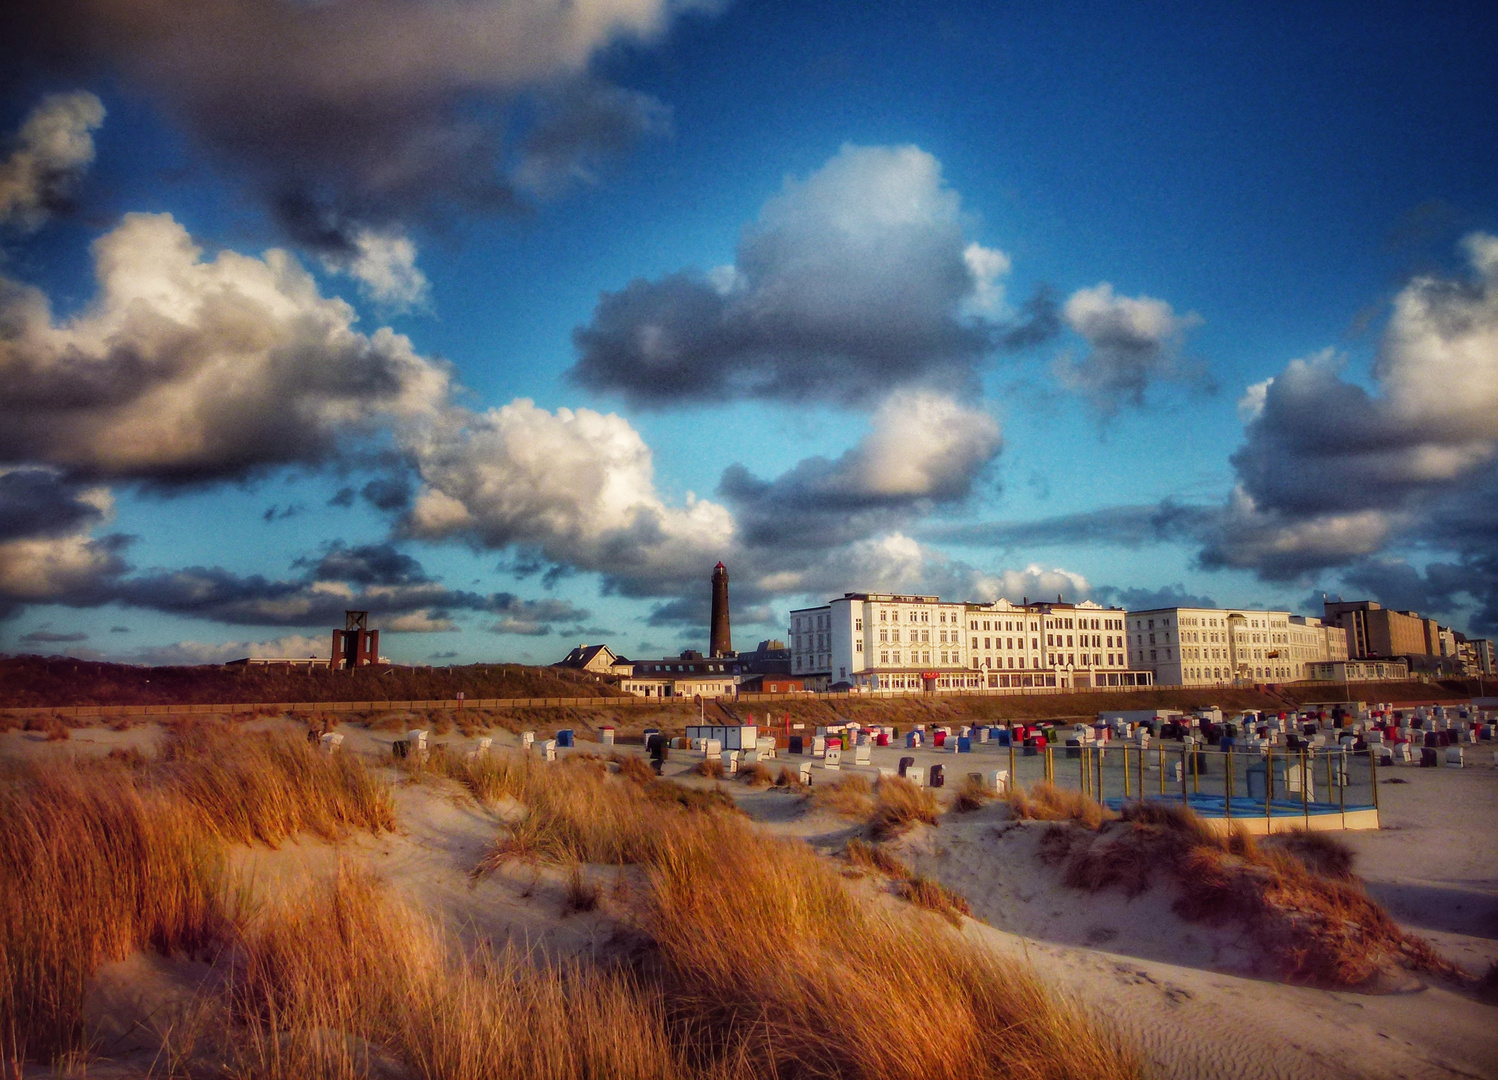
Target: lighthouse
x=720, y=642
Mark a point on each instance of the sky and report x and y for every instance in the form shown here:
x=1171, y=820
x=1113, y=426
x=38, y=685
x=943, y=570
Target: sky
x=506, y=321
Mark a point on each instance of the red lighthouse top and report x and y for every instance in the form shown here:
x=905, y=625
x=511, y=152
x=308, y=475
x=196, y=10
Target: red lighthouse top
x=720, y=566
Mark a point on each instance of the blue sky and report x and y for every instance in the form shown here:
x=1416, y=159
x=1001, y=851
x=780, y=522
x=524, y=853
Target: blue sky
x=1131, y=303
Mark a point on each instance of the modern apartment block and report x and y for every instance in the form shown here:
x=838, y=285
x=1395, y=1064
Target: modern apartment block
x=1374, y=631
x=885, y=641
x=1218, y=646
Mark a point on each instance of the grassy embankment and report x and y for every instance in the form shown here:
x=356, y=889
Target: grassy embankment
x=38, y=682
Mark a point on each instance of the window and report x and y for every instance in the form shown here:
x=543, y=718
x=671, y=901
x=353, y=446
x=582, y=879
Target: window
x=975, y=640
x=884, y=657
x=858, y=645
x=858, y=624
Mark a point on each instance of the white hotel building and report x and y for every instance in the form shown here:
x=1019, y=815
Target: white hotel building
x=883, y=641
x=1217, y=647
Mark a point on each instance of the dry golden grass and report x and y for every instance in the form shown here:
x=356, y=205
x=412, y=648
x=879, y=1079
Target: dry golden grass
x=337, y=983
x=1319, y=929
x=93, y=865
x=757, y=775
x=633, y=767
x=852, y=796
x=932, y=895
x=808, y=980
x=899, y=805
x=974, y=794
x=1322, y=852
x=270, y=787
x=711, y=768
x=581, y=894
x=100, y=859
x=1046, y=802
x=576, y=812
x=344, y=983
x=787, y=777
x=876, y=857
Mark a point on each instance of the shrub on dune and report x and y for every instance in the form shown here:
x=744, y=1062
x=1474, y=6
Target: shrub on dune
x=1320, y=928
x=899, y=805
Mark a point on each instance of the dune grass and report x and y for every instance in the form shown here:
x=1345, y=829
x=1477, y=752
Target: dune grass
x=337, y=983
x=932, y=895
x=99, y=859
x=344, y=982
x=757, y=775
x=899, y=806
x=809, y=979
x=1317, y=924
x=1046, y=802
x=852, y=796
x=974, y=794
x=876, y=857
x=711, y=768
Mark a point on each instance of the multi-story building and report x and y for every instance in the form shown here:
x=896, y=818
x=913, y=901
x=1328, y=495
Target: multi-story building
x=884, y=641
x=1216, y=646
x=1375, y=632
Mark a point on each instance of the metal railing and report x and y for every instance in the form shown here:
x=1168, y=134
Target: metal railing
x=1270, y=782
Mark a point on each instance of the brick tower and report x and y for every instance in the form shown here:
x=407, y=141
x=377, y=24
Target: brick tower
x=719, y=641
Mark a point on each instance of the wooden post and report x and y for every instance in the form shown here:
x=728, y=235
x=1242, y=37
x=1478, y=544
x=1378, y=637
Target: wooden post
x=1125, y=748
x=1227, y=784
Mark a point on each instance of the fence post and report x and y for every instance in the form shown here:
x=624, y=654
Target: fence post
x=1125, y=748
x=1227, y=784
x=1373, y=778
x=1185, y=797
x=1160, y=749
x=1305, y=783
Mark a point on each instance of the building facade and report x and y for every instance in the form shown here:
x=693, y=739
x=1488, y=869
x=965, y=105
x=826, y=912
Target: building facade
x=1224, y=647
x=686, y=676
x=887, y=641
x=1360, y=671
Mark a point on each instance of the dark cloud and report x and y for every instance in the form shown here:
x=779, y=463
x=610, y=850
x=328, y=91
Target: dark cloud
x=530, y=618
x=852, y=281
x=684, y=611
x=343, y=497
x=1137, y=599
x=277, y=512
x=47, y=551
x=49, y=637
x=37, y=502
x=1123, y=526
x=388, y=493
x=1396, y=584
x=372, y=112
x=119, y=630
x=253, y=600
x=365, y=564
